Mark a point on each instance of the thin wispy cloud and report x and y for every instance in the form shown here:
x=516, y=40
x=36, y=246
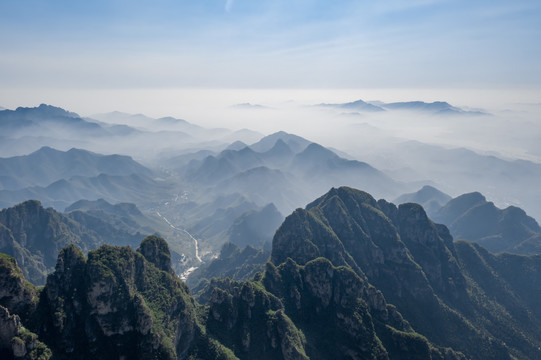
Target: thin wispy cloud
x=228, y=5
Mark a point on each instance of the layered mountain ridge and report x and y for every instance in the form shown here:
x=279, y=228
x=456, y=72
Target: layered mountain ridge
x=470, y=216
x=34, y=235
x=349, y=277
x=47, y=165
x=435, y=108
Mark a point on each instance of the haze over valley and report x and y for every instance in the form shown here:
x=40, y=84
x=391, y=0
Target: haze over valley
x=270, y=180
x=201, y=181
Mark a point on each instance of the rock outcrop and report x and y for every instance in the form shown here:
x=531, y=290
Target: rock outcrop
x=18, y=343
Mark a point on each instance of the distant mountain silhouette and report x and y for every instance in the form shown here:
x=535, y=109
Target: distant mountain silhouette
x=243, y=159
x=294, y=142
x=45, y=118
x=237, y=145
x=437, y=107
x=279, y=155
x=262, y=184
x=249, y=106
x=358, y=105
x=502, y=180
x=283, y=169
x=322, y=169
x=430, y=198
x=135, y=188
x=48, y=165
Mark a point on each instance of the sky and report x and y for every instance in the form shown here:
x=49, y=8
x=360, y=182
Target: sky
x=117, y=46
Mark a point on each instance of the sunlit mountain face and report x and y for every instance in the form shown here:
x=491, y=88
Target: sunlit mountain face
x=270, y=180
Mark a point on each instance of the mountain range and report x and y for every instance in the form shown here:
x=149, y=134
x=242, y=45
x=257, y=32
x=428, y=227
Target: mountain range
x=28, y=129
x=207, y=184
x=433, y=108
x=284, y=169
x=349, y=277
x=281, y=169
x=60, y=178
x=34, y=235
x=47, y=165
x=459, y=170
x=470, y=216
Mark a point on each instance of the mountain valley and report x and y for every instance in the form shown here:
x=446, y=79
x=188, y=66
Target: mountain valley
x=207, y=243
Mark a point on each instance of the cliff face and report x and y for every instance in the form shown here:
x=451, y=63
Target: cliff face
x=331, y=306
x=17, y=300
x=251, y=322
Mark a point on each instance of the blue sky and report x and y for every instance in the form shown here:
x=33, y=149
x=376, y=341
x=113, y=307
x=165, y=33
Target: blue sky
x=270, y=44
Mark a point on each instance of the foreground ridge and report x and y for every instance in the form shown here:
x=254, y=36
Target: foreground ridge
x=349, y=277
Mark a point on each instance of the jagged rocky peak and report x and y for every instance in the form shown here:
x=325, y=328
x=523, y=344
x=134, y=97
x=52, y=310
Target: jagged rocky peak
x=156, y=250
x=332, y=226
x=120, y=303
x=69, y=259
x=404, y=256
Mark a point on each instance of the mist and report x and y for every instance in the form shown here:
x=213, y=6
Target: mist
x=201, y=180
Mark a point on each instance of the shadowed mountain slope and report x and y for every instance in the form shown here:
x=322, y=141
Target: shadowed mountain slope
x=472, y=217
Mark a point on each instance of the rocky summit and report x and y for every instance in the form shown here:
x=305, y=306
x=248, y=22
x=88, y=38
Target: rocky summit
x=349, y=277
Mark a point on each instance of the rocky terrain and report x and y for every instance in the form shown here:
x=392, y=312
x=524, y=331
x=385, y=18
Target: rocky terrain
x=349, y=277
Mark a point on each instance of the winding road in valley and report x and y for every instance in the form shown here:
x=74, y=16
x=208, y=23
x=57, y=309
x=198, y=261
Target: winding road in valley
x=187, y=233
